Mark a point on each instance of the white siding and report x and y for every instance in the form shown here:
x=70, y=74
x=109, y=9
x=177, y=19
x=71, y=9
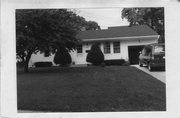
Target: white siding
x=80, y=58
x=112, y=55
x=39, y=57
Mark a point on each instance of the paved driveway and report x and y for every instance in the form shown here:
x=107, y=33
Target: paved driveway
x=160, y=75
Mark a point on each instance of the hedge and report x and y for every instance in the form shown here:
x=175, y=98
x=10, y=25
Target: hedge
x=43, y=64
x=114, y=62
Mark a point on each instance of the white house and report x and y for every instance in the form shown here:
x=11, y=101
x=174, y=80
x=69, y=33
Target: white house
x=121, y=42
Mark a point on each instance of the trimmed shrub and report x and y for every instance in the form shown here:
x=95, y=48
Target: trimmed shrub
x=114, y=62
x=43, y=64
x=62, y=57
x=95, y=55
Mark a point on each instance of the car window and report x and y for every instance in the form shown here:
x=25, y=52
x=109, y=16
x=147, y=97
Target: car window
x=147, y=51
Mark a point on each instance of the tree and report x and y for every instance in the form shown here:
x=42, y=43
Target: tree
x=45, y=30
x=92, y=25
x=87, y=25
x=95, y=56
x=62, y=57
x=153, y=17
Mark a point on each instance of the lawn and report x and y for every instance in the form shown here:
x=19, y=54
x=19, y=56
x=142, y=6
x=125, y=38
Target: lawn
x=89, y=89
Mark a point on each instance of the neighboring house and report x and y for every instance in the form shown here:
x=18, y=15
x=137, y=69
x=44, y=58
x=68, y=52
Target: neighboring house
x=121, y=42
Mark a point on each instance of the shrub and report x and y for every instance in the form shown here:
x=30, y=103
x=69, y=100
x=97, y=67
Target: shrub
x=62, y=57
x=43, y=64
x=114, y=62
x=95, y=55
x=20, y=64
x=126, y=63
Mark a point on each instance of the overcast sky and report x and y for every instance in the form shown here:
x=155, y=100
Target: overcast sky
x=105, y=17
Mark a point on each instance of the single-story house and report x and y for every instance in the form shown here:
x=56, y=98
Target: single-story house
x=120, y=42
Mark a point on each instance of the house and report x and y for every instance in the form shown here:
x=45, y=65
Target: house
x=121, y=42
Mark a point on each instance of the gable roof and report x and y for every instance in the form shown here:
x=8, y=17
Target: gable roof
x=119, y=31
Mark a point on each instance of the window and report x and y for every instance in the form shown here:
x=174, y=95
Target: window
x=116, y=46
x=147, y=50
x=79, y=49
x=107, y=47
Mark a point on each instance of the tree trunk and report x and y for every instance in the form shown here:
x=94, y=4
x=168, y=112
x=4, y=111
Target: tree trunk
x=26, y=69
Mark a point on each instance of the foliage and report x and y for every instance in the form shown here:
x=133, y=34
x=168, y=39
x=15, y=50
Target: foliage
x=114, y=62
x=43, y=64
x=126, y=63
x=95, y=56
x=92, y=25
x=86, y=25
x=45, y=30
x=153, y=17
x=62, y=57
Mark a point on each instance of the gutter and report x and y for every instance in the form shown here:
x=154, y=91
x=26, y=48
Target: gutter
x=120, y=38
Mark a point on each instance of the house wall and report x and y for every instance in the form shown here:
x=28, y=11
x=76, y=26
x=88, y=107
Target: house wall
x=80, y=58
x=126, y=43
x=39, y=57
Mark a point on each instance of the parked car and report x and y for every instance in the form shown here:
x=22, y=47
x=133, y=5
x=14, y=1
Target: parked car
x=152, y=56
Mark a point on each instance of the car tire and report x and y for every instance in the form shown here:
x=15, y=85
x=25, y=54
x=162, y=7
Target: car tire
x=150, y=68
x=140, y=64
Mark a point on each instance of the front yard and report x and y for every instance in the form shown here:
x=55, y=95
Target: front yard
x=88, y=89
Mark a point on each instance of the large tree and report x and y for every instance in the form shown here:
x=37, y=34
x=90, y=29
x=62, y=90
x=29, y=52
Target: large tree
x=92, y=25
x=153, y=17
x=45, y=30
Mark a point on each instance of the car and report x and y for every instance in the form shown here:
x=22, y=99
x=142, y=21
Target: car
x=152, y=56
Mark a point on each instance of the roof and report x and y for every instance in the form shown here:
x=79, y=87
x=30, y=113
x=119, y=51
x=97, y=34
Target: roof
x=118, y=31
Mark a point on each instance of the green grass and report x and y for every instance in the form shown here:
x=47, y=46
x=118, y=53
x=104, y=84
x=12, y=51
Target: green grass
x=87, y=89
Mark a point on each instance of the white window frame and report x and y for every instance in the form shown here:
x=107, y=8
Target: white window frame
x=79, y=49
x=116, y=48
x=107, y=49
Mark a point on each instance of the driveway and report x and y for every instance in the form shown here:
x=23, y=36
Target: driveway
x=160, y=75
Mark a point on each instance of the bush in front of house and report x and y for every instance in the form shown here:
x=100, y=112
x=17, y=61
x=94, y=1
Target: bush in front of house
x=62, y=57
x=114, y=62
x=95, y=55
x=43, y=64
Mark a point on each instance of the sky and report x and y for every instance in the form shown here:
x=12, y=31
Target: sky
x=105, y=17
